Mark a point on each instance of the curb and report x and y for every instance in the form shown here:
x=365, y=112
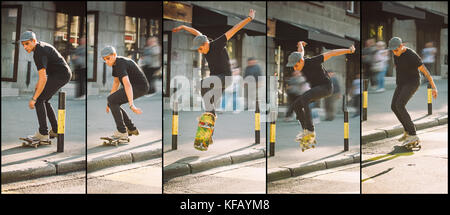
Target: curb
x=182, y=168
x=38, y=169
x=387, y=132
x=295, y=170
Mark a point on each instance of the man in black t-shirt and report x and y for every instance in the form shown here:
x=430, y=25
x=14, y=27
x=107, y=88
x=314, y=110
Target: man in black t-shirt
x=128, y=74
x=321, y=86
x=219, y=64
x=54, y=73
x=407, y=64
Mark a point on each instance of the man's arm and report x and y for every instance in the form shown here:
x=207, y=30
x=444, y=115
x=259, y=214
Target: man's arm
x=129, y=91
x=338, y=52
x=230, y=33
x=188, y=29
x=425, y=72
x=115, y=85
x=39, y=87
x=41, y=83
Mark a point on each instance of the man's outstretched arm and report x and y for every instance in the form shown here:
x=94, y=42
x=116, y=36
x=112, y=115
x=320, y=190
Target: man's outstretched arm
x=338, y=52
x=230, y=33
x=188, y=29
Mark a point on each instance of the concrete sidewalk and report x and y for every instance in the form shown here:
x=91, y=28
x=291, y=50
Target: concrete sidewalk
x=234, y=142
x=44, y=161
x=147, y=145
x=290, y=161
x=22, y=163
x=382, y=123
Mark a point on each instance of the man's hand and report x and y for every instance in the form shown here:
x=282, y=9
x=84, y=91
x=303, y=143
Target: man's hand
x=135, y=109
x=251, y=14
x=177, y=28
x=434, y=93
x=107, y=109
x=31, y=104
x=302, y=43
x=352, y=49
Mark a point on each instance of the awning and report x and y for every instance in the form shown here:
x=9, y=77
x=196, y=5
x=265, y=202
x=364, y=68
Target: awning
x=293, y=31
x=435, y=17
x=214, y=23
x=405, y=12
x=149, y=10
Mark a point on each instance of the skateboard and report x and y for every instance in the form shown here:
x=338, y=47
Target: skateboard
x=113, y=141
x=34, y=142
x=307, y=144
x=413, y=145
x=205, y=130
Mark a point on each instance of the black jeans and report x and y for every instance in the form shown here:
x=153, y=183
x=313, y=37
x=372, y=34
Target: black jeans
x=301, y=103
x=44, y=108
x=402, y=95
x=214, y=101
x=120, y=116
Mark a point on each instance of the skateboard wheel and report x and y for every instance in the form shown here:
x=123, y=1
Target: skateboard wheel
x=313, y=146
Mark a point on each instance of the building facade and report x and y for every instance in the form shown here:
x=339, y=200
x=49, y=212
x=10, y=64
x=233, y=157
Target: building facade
x=416, y=22
x=53, y=22
x=124, y=25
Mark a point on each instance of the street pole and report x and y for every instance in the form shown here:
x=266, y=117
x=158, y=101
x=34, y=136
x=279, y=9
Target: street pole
x=365, y=99
x=61, y=121
x=430, y=108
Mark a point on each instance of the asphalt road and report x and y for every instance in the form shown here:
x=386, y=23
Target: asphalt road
x=247, y=177
x=338, y=180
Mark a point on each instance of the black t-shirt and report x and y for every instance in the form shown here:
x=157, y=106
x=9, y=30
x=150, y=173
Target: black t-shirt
x=125, y=66
x=406, y=66
x=314, y=72
x=46, y=56
x=217, y=57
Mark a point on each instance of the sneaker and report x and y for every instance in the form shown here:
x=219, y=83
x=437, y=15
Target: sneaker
x=300, y=135
x=52, y=134
x=39, y=136
x=403, y=137
x=119, y=135
x=134, y=132
x=410, y=139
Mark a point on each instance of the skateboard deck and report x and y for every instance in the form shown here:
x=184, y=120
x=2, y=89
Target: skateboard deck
x=29, y=142
x=205, y=130
x=113, y=141
x=304, y=145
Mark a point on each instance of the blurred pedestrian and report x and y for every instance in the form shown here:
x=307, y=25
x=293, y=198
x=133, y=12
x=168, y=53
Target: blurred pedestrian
x=330, y=101
x=356, y=95
x=367, y=60
x=254, y=70
x=231, y=99
x=380, y=64
x=79, y=62
x=151, y=62
x=428, y=58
